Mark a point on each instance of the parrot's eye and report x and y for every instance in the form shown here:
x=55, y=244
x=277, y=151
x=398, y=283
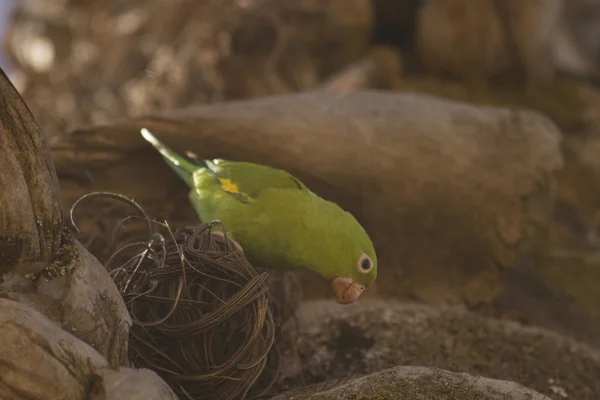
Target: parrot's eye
x=365, y=264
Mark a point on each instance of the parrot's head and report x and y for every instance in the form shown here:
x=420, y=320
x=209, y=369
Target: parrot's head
x=340, y=251
x=356, y=274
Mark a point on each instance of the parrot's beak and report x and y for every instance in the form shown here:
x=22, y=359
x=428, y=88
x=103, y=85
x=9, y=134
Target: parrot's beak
x=346, y=290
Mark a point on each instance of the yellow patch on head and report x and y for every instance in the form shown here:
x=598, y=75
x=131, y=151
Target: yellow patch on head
x=229, y=186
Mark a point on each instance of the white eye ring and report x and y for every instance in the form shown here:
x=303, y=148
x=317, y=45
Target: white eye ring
x=365, y=264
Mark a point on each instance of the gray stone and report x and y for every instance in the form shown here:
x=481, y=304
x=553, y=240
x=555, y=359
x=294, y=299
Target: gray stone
x=407, y=382
x=340, y=342
x=41, y=361
x=81, y=297
x=130, y=384
x=93, y=308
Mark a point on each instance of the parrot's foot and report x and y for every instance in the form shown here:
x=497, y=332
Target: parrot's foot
x=236, y=244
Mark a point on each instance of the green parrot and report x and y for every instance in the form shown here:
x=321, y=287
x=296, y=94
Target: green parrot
x=277, y=222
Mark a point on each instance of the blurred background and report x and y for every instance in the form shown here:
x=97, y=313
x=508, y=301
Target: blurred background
x=127, y=58
x=486, y=114
x=5, y=13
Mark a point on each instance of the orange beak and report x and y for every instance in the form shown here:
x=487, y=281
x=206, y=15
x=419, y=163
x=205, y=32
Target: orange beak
x=346, y=290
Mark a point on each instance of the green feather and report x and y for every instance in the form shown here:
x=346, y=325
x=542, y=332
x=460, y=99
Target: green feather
x=276, y=219
x=180, y=165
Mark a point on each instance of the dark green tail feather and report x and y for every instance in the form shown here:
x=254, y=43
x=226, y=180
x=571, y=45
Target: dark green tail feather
x=182, y=167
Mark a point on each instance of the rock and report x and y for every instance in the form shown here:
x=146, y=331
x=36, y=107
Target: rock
x=81, y=298
x=92, y=307
x=416, y=383
x=39, y=360
x=129, y=384
x=574, y=233
x=341, y=342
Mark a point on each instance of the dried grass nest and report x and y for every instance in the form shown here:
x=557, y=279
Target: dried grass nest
x=203, y=318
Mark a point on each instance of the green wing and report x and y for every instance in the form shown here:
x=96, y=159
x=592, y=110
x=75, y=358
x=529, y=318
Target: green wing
x=247, y=181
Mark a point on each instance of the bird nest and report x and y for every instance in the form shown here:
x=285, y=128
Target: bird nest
x=203, y=318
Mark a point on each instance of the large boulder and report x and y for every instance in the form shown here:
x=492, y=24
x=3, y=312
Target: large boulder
x=415, y=383
x=333, y=341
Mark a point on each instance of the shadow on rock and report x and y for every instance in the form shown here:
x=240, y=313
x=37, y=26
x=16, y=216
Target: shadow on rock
x=388, y=334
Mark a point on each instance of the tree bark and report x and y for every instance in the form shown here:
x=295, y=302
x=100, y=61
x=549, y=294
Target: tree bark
x=30, y=210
